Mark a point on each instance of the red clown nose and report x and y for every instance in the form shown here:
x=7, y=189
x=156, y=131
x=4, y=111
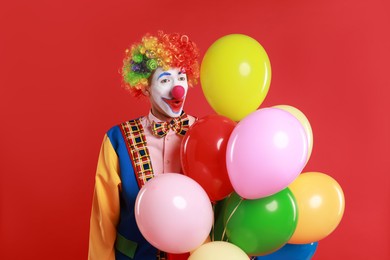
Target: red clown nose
x=178, y=92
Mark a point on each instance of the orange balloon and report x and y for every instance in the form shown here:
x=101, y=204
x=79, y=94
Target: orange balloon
x=320, y=202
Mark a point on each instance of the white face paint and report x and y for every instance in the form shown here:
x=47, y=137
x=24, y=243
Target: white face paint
x=168, y=91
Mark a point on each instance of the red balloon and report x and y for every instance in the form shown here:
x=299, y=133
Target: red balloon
x=178, y=256
x=203, y=155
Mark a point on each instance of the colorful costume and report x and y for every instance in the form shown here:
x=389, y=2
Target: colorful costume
x=125, y=164
x=160, y=67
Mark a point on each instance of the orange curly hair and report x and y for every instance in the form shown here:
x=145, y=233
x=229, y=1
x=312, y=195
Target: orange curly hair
x=162, y=50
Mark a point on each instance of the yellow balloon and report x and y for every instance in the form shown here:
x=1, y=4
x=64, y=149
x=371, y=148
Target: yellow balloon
x=218, y=250
x=320, y=202
x=305, y=123
x=208, y=240
x=235, y=75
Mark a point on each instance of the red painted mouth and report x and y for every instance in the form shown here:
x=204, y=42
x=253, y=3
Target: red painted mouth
x=174, y=104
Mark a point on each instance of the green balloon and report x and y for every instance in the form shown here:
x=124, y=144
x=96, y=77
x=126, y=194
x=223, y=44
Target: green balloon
x=260, y=226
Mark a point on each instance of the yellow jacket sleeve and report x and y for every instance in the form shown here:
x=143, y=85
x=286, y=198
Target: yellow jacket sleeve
x=105, y=207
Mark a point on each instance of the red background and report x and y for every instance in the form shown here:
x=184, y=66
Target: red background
x=61, y=90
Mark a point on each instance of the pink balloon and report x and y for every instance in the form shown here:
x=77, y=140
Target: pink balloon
x=174, y=213
x=266, y=151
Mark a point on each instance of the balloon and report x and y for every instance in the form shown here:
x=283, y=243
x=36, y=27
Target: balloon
x=235, y=75
x=263, y=225
x=292, y=252
x=218, y=250
x=208, y=240
x=203, y=155
x=171, y=256
x=320, y=201
x=266, y=151
x=305, y=122
x=173, y=213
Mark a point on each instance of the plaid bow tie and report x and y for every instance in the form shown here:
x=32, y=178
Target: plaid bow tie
x=179, y=124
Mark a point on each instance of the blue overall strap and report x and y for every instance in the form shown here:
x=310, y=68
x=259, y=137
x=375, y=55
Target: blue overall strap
x=136, y=170
x=128, y=233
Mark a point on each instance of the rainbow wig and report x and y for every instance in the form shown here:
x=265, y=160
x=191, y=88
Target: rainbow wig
x=161, y=50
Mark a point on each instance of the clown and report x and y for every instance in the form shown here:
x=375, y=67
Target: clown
x=161, y=67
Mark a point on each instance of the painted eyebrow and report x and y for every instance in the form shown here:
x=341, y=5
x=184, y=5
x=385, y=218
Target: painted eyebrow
x=164, y=74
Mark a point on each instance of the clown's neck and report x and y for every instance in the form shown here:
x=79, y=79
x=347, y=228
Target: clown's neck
x=161, y=116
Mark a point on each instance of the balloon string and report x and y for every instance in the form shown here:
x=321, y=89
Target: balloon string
x=212, y=234
x=227, y=222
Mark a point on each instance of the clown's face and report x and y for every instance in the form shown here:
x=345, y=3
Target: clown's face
x=168, y=90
